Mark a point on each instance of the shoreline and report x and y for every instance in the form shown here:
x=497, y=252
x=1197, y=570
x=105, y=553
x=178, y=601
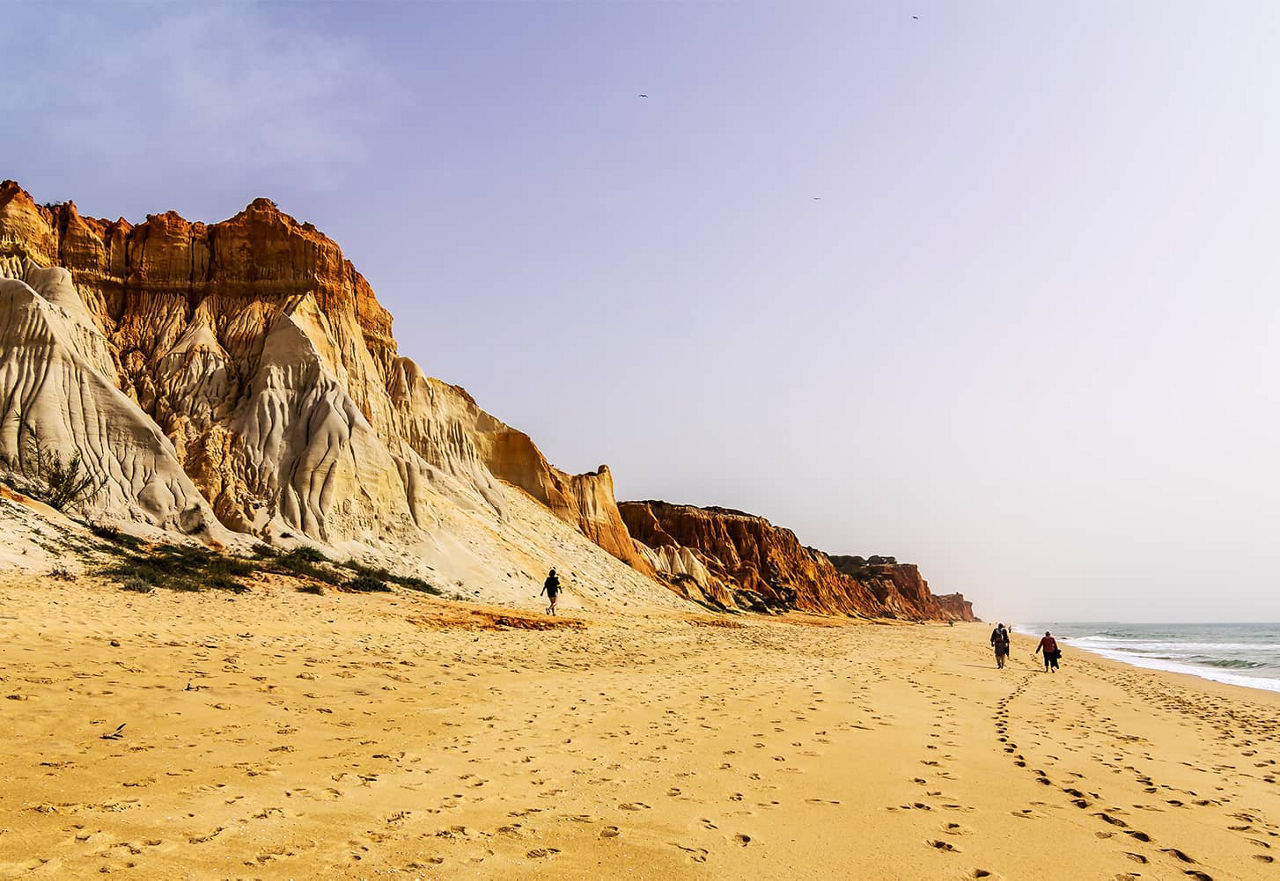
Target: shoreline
x=1204, y=672
x=278, y=735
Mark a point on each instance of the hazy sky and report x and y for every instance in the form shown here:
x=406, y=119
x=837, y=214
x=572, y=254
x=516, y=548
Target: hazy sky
x=994, y=290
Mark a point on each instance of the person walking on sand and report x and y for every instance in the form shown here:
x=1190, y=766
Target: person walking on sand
x=1051, y=651
x=1000, y=642
x=551, y=587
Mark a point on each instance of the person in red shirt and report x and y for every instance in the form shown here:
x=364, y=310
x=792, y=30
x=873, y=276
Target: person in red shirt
x=1051, y=652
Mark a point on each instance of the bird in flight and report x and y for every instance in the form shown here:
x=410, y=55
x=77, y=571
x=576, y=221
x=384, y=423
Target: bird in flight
x=642, y=95
x=915, y=18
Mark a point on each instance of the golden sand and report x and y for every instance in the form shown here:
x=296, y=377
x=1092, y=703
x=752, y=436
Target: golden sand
x=282, y=735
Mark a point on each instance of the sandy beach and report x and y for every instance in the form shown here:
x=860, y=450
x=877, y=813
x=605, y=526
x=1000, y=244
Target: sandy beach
x=282, y=735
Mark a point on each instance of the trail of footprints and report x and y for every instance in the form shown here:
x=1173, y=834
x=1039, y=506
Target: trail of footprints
x=518, y=758
x=1088, y=800
x=942, y=735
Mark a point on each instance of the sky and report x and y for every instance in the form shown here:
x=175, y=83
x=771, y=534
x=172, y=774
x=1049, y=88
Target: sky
x=990, y=287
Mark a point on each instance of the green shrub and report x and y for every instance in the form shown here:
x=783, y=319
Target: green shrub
x=64, y=484
x=361, y=569
x=115, y=536
x=368, y=584
x=222, y=581
x=417, y=584
x=183, y=567
x=382, y=574
x=302, y=561
x=101, y=530
x=308, y=553
x=264, y=551
x=222, y=573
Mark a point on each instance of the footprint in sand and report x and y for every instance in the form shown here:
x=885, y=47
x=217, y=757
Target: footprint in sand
x=697, y=854
x=201, y=839
x=944, y=845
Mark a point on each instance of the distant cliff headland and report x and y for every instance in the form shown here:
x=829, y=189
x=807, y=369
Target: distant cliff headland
x=238, y=383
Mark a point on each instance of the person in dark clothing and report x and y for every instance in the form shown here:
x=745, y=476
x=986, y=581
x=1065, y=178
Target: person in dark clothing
x=551, y=587
x=1000, y=642
x=1051, y=652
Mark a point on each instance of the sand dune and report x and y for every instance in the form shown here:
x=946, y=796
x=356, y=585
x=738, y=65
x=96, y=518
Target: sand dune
x=280, y=735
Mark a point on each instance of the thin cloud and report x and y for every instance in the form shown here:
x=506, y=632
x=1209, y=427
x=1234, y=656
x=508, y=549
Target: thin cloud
x=232, y=87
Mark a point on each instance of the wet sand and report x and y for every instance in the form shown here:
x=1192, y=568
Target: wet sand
x=282, y=735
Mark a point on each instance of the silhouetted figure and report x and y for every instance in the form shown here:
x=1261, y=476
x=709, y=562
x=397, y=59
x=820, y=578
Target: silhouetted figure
x=1051, y=651
x=551, y=587
x=1000, y=642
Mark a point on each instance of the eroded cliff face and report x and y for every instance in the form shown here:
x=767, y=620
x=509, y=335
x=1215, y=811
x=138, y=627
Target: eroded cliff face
x=729, y=559
x=241, y=378
x=957, y=606
x=745, y=558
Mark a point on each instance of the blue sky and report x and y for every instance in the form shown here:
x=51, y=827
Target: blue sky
x=992, y=290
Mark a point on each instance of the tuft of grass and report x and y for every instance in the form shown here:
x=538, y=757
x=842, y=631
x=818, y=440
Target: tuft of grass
x=102, y=530
x=137, y=585
x=302, y=561
x=368, y=584
x=382, y=574
x=115, y=536
x=418, y=584
x=360, y=569
x=309, y=554
x=313, y=589
x=264, y=551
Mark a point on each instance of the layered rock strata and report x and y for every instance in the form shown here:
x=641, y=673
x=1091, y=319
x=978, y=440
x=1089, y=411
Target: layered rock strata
x=732, y=560
x=955, y=605
x=241, y=379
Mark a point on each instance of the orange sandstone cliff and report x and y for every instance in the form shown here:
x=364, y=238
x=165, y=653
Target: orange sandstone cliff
x=240, y=381
x=730, y=559
x=957, y=606
x=270, y=398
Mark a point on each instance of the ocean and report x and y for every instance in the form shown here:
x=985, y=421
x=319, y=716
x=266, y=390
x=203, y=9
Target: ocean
x=1238, y=654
